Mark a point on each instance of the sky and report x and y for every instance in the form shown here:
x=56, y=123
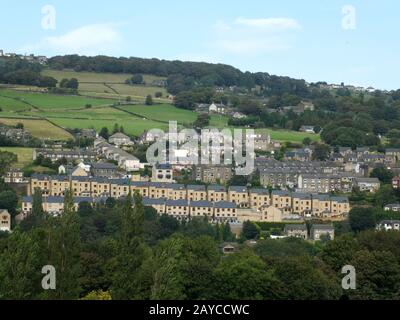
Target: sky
x=350, y=41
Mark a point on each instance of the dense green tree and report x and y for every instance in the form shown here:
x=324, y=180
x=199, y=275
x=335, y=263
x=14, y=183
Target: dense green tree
x=20, y=267
x=287, y=247
x=383, y=174
x=384, y=196
x=131, y=250
x=201, y=258
x=244, y=276
x=362, y=219
x=250, y=231
x=149, y=100
x=6, y=159
x=321, y=152
x=136, y=79
x=339, y=253
x=378, y=276
x=85, y=209
x=104, y=133
x=37, y=216
x=203, y=120
x=92, y=271
x=63, y=248
x=168, y=278
x=313, y=284
x=307, y=141
x=9, y=201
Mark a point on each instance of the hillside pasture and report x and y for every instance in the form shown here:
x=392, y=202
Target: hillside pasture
x=12, y=105
x=25, y=156
x=289, y=136
x=162, y=112
x=109, y=83
x=51, y=101
x=41, y=129
x=133, y=126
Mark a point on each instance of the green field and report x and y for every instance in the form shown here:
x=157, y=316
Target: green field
x=133, y=126
x=289, y=136
x=12, y=105
x=24, y=155
x=163, y=112
x=49, y=101
x=41, y=129
x=109, y=83
x=98, y=77
x=33, y=109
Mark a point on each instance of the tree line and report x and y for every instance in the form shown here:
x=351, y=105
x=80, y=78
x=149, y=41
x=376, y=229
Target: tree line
x=117, y=251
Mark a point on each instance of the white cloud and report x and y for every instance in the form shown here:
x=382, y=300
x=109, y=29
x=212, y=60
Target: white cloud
x=222, y=27
x=89, y=40
x=252, y=37
x=253, y=46
x=272, y=24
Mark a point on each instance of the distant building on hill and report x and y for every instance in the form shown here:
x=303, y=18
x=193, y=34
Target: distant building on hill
x=296, y=231
x=14, y=176
x=318, y=231
x=120, y=139
x=5, y=221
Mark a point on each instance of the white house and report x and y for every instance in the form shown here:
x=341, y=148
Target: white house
x=387, y=225
x=5, y=221
x=238, y=115
x=307, y=129
x=162, y=173
x=393, y=207
x=120, y=139
x=130, y=163
x=217, y=108
x=368, y=184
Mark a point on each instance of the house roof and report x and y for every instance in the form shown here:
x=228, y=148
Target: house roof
x=322, y=227
x=259, y=191
x=153, y=202
x=392, y=206
x=196, y=187
x=300, y=195
x=216, y=188
x=281, y=193
x=224, y=205
x=119, y=135
x=368, y=180
x=104, y=165
x=177, y=203
x=389, y=222
x=201, y=204
x=163, y=166
x=239, y=189
x=292, y=227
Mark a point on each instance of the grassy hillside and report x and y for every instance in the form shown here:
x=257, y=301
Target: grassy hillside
x=133, y=126
x=162, y=112
x=70, y=112
x=12, y=105
x=41, y=129
x=110, y=84
x=50, y=101
x=289, y=136
x=24, y=155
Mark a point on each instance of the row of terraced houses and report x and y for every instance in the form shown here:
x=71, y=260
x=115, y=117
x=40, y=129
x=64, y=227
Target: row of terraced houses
x=183, y=201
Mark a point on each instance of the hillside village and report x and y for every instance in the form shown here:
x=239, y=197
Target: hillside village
x=324, y=159
x=292, y=190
